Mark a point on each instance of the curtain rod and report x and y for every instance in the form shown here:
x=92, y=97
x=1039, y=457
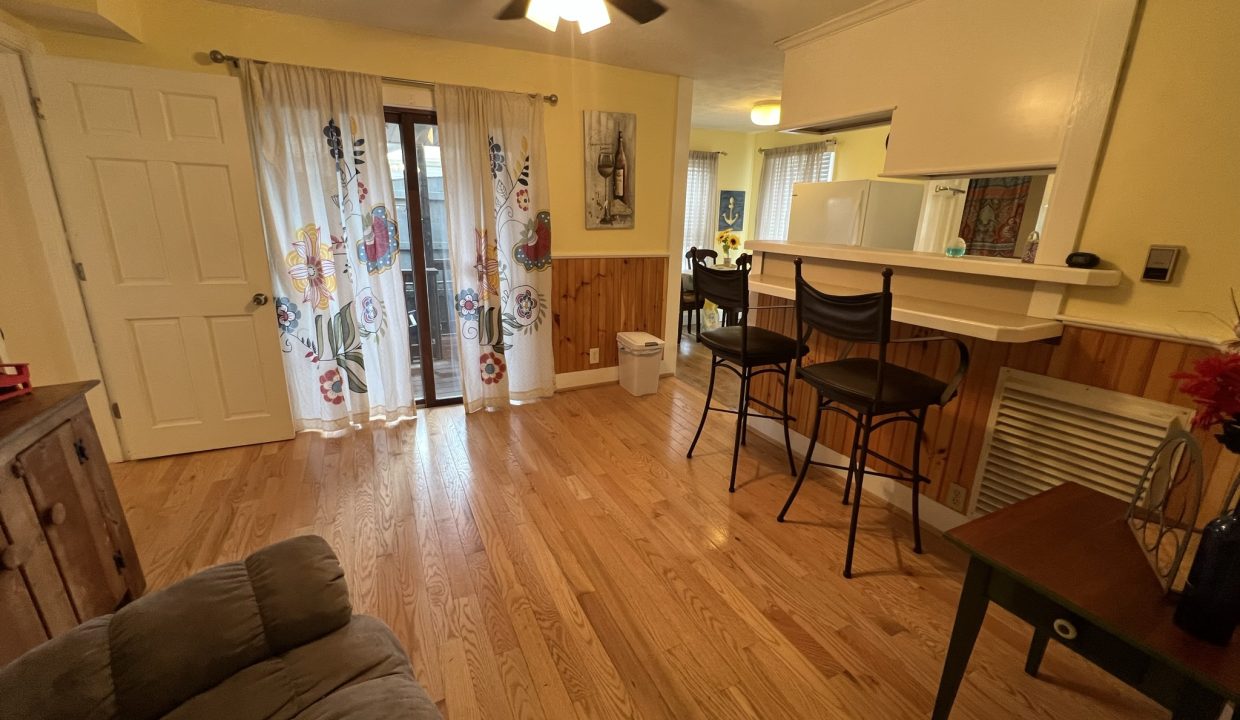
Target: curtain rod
x=218, y=57
x=831, y=141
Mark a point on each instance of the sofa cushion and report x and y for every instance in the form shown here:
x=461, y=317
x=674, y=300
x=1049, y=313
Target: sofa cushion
x=65, y=677
x=358, y=671
x=270, y=637
x=174, y=644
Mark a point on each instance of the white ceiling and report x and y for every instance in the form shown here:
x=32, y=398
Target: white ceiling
x=726, y=46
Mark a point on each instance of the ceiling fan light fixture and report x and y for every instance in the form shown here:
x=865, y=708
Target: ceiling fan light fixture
x=588, y=14
x=591, y=15
x=765, y=113
x=545, y=13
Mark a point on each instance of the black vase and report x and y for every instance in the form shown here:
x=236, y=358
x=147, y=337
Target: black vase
x=1209, y=607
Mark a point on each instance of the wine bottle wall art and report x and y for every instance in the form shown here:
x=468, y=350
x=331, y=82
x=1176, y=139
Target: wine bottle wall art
x=611, y=170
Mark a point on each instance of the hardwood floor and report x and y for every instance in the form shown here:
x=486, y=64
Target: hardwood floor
x=562, y=559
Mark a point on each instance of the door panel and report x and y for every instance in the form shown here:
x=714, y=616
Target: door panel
x=154, y=172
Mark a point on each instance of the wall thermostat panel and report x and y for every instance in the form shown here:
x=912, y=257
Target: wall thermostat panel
x=1160, y=263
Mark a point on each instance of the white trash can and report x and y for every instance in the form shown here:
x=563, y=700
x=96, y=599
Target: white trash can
x=641, y=354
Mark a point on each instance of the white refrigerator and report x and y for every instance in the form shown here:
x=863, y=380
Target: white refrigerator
x=862, y=213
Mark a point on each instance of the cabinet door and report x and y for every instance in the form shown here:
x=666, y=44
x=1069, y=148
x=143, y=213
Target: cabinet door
x=33, y=602
x=76, y=529
x=91, y=453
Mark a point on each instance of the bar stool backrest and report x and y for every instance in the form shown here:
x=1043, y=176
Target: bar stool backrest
x=729, y=289
x=851, y=318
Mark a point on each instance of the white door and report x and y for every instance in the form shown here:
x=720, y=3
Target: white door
x=156, y=184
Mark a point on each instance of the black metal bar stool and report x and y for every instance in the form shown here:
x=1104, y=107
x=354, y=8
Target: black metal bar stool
x=863, y=389
x=741, y=349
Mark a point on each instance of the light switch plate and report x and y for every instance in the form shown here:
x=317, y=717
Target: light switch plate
x=1160, y=263
x=594, y=356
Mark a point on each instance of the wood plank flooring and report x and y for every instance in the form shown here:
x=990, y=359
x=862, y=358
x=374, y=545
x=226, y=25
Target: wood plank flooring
x=564, y=560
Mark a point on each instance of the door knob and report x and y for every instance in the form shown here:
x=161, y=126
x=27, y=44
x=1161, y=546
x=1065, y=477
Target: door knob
x=259, y=299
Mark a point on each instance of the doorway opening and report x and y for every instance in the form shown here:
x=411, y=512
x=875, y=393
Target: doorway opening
x=417, y=179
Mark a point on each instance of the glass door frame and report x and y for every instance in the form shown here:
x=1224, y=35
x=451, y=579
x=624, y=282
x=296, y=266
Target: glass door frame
x=407, y=119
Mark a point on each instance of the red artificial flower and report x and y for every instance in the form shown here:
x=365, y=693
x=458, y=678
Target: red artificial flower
x=1215, y=385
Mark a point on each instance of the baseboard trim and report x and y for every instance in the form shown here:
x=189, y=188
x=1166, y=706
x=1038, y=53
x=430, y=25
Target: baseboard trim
x=933, y=514
x=587, y=378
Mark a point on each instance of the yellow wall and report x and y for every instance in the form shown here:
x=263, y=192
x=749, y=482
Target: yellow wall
x=178, y=33
x=735, y=168
x=1170, y=174
x=32, y=328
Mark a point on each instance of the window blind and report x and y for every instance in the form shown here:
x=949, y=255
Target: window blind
x=781, y=168
x=701, y=200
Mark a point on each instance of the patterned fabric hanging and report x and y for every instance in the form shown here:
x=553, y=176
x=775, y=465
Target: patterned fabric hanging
x=499, y=229
x=333, y=243
x=993, y=209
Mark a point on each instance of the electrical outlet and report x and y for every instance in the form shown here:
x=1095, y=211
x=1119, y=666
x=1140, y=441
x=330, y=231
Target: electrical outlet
x=594, y=356
x=957, y=496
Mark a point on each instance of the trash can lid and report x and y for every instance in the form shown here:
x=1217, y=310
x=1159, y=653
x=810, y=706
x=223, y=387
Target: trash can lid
x=638, y=341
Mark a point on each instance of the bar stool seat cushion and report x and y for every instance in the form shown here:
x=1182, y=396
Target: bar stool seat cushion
x=765, y=346
x=852, y=381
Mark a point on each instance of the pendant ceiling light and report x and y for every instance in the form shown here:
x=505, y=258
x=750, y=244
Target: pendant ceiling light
x=765, y=113
x=588, y=14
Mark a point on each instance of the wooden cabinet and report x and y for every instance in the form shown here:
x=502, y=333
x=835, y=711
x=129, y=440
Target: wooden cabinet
x=66, y=554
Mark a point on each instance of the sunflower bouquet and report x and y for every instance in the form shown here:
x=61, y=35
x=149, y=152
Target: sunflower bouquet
x=730, y=242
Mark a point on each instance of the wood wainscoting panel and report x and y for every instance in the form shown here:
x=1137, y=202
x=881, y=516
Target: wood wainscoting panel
x=954, y=435
x=595, y=298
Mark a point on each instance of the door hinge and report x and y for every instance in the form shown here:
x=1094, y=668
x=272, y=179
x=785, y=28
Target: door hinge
x=80, y=271
x=119, y=560
x=36, y=104
x=116, y=411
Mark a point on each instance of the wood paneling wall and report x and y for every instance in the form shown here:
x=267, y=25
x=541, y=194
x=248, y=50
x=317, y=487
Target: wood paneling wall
x=595, y=298
x=954, y=434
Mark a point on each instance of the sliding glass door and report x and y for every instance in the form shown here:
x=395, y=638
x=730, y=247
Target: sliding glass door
x=417, y=174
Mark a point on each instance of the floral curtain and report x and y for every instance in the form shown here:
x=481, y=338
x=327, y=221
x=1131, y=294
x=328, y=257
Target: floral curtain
x=993, y=208
x=331, y=235
x=499, y=229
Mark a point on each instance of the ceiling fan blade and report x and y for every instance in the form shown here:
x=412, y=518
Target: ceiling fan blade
x=514, y=10
x=643, y=11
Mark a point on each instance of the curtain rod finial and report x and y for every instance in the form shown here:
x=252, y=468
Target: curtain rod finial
x=553, y=99
x=217, y=56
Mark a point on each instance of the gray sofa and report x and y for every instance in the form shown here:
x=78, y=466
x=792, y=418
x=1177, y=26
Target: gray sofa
x=270, y=637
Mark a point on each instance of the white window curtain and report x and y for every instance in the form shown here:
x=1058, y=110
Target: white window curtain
x=781, y=168
x=326, y=192
x=499, y=230
x=701, y=200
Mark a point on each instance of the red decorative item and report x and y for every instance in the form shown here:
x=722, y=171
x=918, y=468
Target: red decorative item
x=14, y=380
x=1215, y=385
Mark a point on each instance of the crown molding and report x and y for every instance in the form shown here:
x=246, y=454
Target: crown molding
x=876, y=9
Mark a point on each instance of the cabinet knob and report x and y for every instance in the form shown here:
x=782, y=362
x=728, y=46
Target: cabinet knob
x=55, y=515
x=14, y=556
x=1064, y=629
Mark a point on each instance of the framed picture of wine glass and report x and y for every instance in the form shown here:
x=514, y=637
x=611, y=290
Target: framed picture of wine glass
x=611, y=170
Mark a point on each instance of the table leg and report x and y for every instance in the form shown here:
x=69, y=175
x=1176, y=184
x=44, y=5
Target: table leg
x=1037, y=648
x=969, y=616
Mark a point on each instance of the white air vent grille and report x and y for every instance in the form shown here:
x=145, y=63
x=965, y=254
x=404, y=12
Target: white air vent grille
x=1043, y=432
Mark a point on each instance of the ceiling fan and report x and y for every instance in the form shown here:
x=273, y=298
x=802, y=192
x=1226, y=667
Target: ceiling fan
x=588, y=14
